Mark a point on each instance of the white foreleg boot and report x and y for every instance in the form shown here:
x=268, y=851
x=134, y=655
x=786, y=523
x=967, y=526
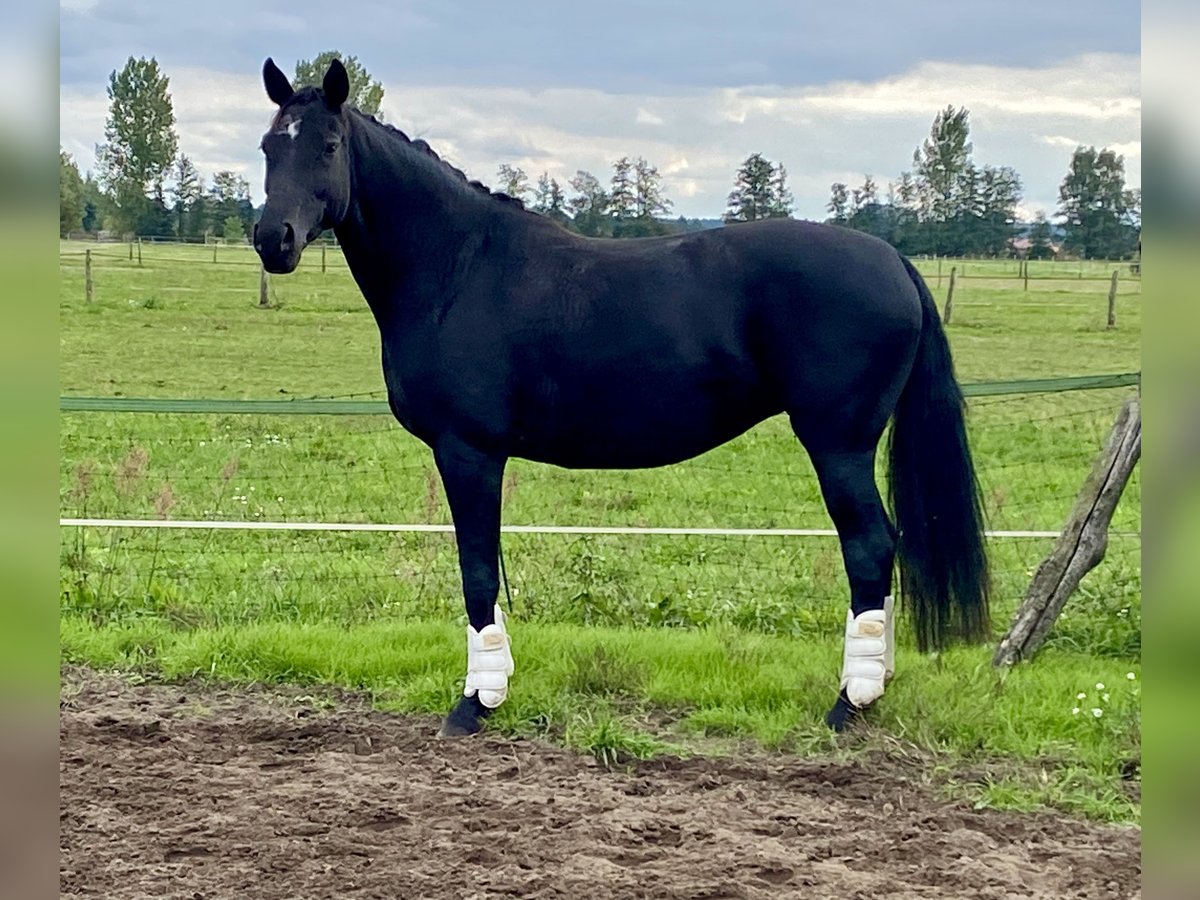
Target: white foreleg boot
x=868, y=660
x=489, y=662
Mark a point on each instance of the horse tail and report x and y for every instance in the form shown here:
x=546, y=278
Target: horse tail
x=935, y=496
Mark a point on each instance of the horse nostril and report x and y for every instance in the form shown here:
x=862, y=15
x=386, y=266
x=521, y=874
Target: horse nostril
x=289, y=237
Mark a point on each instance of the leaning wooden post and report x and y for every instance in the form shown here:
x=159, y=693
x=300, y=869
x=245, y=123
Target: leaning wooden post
x=1082, y=543
x=949, y=297
x=87, y=275
x=262, y=288
x=1112, y=300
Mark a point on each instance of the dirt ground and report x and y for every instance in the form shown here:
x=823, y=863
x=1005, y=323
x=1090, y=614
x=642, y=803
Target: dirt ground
x=196, y=793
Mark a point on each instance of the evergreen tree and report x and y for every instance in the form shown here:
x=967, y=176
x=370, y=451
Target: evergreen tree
x=753, y=195
x=839, y=203
x=781, y=196
x=622, y=195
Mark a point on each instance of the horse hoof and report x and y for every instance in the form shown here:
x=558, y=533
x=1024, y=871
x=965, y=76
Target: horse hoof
x=465, y=719
x=842, y=715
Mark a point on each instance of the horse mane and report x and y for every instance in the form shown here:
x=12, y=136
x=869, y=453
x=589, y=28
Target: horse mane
x=309, y=94
x=422, y=147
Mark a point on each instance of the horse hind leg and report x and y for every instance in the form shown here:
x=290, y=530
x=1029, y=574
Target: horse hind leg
x=868, y=542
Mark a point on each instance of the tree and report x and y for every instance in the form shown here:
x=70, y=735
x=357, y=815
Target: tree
x=70, y=195
x=781, y=195
x=1040, y=246
x=940, y=164
x=513, y=181
x=95, y=205
x=365, y=93
x=229, y=196
x=752, y=194
x=648, y=198
x=622, y=197
x=867, y=214
x=233, y=230
x=589, y=206
x=1094, y=206
x=140, y=141
x=549, y=199
x=187, y=190
x=839, y=203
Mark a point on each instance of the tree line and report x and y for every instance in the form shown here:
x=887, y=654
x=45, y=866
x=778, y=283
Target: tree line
x=145, y=185
x=946, y=204
x=949, y=205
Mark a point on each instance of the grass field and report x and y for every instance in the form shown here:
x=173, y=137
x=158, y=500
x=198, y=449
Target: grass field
x=753, y=653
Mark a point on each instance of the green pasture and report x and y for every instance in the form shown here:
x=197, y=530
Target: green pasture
x=754, y=622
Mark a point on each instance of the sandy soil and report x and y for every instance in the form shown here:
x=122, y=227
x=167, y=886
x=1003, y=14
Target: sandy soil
x=197, y=793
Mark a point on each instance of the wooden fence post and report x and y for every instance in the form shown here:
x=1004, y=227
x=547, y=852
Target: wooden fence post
x=262, y=288
x=1082, y=543
x=87, y=275
x=1112, y=300
x=131, y=249
x=139, y=251
x=214, y=251
x=939, y=259
x=322, y=258
x=1025, y=273
x=949, y=297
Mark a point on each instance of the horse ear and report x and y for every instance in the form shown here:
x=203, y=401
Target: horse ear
x=279, y=89
x=336, y=84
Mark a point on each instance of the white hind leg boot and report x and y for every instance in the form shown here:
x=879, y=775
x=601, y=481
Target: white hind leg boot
x=889, y=652
x=489, y=662
x=867, y=660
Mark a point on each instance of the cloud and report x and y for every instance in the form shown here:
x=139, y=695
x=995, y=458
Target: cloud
x=1020, y=116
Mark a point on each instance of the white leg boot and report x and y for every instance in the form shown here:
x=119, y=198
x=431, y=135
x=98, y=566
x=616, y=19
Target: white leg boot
x=889, y=652
x=867, y=657
x=489, y=662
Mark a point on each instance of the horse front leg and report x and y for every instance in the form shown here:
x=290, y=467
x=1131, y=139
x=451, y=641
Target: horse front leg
x=473, y=480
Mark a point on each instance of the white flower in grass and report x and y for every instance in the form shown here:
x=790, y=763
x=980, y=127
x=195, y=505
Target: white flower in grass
x=279, y=499
x=1130, y=676
x=1099, y=685
x=1075, y=711
x=202, y=443
x=1104, y=697
x=1097, y=712
x=1081, y=696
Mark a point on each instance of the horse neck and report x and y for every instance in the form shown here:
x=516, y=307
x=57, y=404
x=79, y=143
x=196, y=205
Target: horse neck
x=410, y=221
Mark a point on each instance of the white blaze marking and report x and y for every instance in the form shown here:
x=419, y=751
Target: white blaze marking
x=290, y=127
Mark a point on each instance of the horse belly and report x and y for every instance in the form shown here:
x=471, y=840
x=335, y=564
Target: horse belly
x=642, y=423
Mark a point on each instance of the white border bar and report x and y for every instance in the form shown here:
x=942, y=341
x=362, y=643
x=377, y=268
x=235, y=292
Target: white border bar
x=507, y=529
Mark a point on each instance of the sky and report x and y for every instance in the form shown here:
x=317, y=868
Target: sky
x=834, y=91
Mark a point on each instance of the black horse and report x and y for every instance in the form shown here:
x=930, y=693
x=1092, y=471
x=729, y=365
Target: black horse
x=504, y=335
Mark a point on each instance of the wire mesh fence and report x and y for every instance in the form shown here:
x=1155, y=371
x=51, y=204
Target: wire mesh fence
x=1032, y=451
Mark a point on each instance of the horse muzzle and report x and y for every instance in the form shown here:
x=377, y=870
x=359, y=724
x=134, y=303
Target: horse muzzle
x=278, y=247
